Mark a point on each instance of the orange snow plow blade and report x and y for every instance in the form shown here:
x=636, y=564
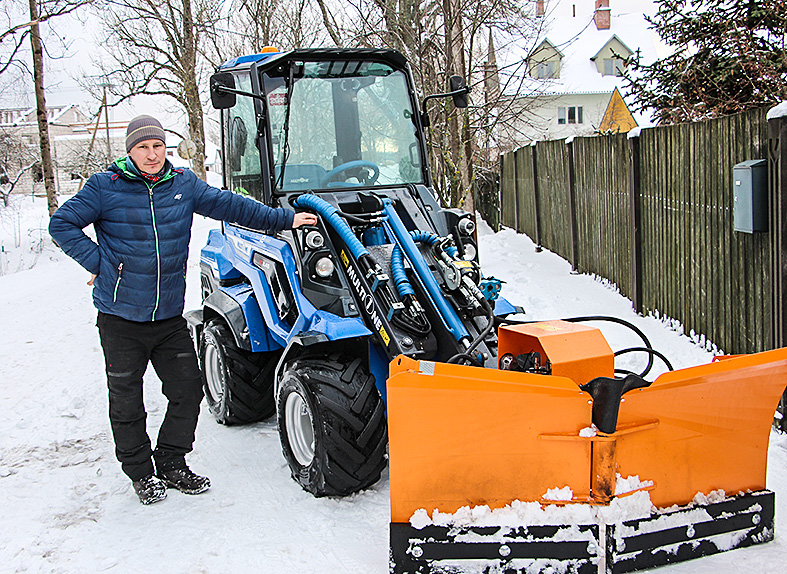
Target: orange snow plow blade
x=711, y=427
x=467, y=436
x=463, y=435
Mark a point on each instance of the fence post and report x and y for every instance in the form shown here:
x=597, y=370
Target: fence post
x=777, y=184
x=536, y=206
x=635, y=206
x=572, y=206
x=516, y=191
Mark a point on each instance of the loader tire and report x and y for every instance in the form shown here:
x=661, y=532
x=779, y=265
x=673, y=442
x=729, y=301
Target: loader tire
x=332, y=425
x=238, y=384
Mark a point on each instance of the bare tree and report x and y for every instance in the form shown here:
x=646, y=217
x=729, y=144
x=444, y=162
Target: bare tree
x=253, y=25
x=442, y=38
x=18, y=29
x=285, y=24
x=156, y=47
x=16, y=23
x=16, y=159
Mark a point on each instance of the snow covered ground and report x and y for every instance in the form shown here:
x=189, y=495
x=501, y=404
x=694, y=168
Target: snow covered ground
x=69, y=508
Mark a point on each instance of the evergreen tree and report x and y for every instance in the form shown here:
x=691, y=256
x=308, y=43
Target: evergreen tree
x=728, y=56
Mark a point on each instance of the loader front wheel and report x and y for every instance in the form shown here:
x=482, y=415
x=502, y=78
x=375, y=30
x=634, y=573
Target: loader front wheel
x=332, y=425
x=238, y=384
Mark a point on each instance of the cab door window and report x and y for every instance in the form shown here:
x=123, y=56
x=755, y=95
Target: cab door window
x=242, y=153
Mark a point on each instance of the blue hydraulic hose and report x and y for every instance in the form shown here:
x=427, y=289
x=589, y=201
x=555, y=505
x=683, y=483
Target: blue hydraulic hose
x=401, y=281
x=431, y=238
x=328, y=212
x=398, y=274
x=409, y=247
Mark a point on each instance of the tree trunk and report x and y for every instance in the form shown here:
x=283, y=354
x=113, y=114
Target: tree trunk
x=455, y=64
x=41, y=114
x=197, y=135
x=191, y=95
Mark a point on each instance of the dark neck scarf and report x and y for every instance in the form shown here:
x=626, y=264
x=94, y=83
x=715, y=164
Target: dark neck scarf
x=151, y=177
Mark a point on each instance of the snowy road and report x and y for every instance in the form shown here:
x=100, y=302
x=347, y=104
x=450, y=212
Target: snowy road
x=68, y=507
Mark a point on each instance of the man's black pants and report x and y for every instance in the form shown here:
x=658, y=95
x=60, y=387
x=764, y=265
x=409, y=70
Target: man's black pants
x=128, y=347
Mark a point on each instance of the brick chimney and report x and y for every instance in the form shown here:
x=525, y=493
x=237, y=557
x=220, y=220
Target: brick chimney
x=601, y=16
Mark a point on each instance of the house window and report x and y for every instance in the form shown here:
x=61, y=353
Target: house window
x=571, y=115
x=545, y=70
x=613, y=67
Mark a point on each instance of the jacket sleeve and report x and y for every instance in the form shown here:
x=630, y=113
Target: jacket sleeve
x=67, y=223
x=233, y=208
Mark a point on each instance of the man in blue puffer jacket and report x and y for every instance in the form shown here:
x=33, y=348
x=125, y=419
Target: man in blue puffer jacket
x=141, y=210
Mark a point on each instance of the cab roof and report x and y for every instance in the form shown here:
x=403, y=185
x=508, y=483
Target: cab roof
x=390, y=56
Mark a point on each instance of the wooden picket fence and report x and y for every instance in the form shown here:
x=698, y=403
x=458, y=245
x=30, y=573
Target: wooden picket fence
x=654, y=215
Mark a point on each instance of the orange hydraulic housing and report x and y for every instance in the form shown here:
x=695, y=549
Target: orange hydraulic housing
x=467, y=436
x=575, y=351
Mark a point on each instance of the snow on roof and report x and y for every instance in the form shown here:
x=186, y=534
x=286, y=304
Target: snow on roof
x=614, y=37
x=779, y=111
x=546, y=43
x=569, y=26
x=55, y=117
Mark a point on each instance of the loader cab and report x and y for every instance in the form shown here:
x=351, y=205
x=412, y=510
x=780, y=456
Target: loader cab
x=319, y=120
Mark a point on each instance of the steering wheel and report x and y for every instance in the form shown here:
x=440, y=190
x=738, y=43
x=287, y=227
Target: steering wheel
x=331, y=175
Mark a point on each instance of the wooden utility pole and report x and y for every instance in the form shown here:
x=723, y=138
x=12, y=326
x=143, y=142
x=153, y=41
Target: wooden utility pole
x=41, y=113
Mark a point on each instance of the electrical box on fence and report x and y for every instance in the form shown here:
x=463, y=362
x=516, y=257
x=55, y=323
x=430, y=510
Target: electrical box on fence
x=750, y=188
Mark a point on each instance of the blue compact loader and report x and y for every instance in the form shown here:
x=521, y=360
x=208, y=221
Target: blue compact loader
x=375, y=339
x=303, y=323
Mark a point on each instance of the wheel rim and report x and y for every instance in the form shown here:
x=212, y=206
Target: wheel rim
x=300, y=431
x=214, y=373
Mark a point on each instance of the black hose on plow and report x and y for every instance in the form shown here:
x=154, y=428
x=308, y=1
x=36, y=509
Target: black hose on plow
x=646, y=348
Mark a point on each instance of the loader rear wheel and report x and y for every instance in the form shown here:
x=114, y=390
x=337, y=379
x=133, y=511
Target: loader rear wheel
x=238, y=384
x=332, y=425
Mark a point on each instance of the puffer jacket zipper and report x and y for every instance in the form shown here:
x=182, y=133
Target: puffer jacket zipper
x=117, y=283
x=158, y=255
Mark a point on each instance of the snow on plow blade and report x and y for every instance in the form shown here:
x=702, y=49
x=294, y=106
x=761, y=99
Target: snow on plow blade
x=467, y=436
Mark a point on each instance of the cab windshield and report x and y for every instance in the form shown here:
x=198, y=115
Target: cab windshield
x=348, y=123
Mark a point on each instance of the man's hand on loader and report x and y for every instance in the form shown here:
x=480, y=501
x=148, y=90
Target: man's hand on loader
x=304, y=218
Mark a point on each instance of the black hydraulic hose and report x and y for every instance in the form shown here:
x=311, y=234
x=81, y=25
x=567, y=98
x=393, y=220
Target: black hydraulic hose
x=619, y=321
x=643, y=350
x=465, y=357
x=363, y=219
x=479, y=339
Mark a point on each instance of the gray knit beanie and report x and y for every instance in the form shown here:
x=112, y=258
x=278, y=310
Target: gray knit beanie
x=143, y=128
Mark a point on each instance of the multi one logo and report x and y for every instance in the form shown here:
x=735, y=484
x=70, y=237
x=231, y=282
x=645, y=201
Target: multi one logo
x=366, y=298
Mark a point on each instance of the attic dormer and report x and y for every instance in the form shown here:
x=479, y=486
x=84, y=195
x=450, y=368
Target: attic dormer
x=610, y=59
x=544, y=62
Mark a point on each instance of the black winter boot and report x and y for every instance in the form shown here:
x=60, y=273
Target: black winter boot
x=184, y=480
x=150, y=489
